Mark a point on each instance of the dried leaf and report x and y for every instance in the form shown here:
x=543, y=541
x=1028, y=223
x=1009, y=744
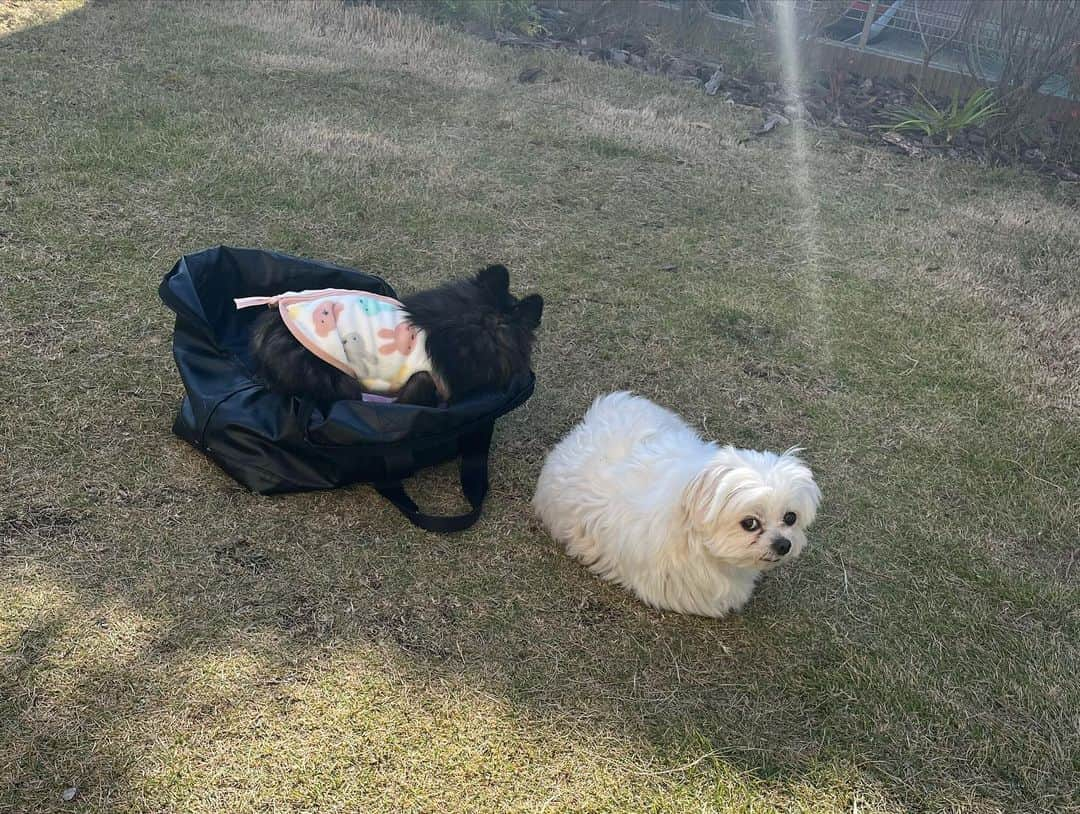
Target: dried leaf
x=775, y=120
x=713, y=85
x=905, y=144
x=530, y=74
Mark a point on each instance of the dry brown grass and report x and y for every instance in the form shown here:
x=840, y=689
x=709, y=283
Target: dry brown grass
x=170, y=642
x=16, y=15
x=1014, y=252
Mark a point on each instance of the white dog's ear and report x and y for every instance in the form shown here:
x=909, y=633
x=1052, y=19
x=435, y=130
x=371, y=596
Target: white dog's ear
x=803, y=483
x=812, y=496
x=706, y=496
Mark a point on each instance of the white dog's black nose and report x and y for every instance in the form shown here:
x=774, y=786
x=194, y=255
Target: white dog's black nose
x=781, y=545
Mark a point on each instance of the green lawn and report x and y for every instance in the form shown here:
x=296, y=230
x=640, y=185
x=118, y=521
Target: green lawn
x=169, y=642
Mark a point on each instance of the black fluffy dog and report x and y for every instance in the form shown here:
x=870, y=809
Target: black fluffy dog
x=479, y=336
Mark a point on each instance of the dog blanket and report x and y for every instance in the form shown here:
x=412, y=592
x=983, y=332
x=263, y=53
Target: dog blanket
x=365, y=335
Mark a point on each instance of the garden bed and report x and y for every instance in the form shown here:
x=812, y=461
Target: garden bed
x=861, y=107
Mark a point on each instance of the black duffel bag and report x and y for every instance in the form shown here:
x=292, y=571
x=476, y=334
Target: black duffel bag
x=273, y=443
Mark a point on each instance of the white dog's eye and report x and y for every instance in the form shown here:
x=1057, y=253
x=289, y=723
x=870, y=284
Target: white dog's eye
x=750, y=523
x=790, y=518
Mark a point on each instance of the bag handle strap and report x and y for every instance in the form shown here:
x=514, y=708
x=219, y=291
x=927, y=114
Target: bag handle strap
x=474, y=448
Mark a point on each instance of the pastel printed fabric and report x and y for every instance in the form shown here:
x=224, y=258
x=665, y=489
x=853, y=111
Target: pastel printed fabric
x=362, y=334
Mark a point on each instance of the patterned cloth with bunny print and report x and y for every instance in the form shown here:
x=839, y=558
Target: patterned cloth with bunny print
x=362, y=334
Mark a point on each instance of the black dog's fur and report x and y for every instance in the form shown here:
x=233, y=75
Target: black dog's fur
x=478, y=338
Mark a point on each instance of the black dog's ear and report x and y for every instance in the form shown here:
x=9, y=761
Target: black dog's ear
x=495, y=279
x=529, y=310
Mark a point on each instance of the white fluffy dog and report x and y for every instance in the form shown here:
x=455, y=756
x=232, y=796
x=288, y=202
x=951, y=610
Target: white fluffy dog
x=640, y=499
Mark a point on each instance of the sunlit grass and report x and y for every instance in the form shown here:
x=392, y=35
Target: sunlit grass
x=170, y=642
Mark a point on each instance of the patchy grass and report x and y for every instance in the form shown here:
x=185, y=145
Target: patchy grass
x=170, y=642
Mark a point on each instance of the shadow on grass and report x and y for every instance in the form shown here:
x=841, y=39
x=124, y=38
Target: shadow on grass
x=793, y=693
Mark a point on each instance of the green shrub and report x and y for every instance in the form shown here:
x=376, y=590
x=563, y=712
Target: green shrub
x=926, y=118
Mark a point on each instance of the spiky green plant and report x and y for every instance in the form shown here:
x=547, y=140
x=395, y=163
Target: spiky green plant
x=928, y=119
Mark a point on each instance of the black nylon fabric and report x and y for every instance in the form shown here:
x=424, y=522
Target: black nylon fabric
x=272, y=443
